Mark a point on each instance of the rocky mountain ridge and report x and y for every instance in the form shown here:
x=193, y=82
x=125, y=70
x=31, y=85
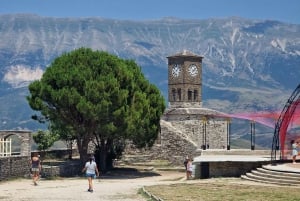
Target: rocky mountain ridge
x=249, y=65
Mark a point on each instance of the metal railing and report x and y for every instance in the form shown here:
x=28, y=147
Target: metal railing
x=5, y=147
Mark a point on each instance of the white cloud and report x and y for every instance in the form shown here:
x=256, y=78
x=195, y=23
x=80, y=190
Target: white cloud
x=21, y=75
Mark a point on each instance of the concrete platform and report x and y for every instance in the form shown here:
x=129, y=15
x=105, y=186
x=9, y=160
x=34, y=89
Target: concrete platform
x=285, y=167
x=229, y=163
x=237, y=162
x=222, y=158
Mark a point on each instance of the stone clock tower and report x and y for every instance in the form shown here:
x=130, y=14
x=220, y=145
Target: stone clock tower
x=186, y=127
x=185, y=80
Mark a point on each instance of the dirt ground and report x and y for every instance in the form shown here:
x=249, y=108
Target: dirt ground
x=115, y=187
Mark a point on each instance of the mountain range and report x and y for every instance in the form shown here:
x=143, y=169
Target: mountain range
x=248, y=66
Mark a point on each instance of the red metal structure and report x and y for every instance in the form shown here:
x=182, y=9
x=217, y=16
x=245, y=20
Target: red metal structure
x=287, y=127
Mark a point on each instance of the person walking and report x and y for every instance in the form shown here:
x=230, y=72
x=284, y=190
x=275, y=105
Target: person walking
x=189, y=169
x=35, y=168
x=91, y=171
x=185, y=165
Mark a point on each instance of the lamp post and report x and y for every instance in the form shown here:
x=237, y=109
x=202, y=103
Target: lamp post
x=252, y=129
x=228, y=133
x=204, y=120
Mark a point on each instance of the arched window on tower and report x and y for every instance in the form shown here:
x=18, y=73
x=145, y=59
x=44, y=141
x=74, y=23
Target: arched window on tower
x=190, y=95
x=179, y=94
x=195, y=95
x=174, y=94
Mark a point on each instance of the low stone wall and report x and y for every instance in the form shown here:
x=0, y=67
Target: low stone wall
x=19, y=166
x=205, y=170
x=14, y=166
x=62, y=153
x=66, y=169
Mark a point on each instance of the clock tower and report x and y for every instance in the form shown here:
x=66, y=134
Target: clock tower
x=185, y=80
x=187, y=128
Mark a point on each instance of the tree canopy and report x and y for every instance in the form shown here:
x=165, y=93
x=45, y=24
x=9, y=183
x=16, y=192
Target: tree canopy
x=44, y=139
x=98, y=96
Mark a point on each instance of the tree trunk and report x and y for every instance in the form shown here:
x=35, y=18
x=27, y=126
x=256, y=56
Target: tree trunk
x=70, y=148
x=82, y=149
x=103, y=156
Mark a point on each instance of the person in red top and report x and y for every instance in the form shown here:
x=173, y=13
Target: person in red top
x=35, y=168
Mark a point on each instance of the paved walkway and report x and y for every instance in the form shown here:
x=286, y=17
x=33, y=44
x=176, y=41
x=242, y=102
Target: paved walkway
x=113, y=188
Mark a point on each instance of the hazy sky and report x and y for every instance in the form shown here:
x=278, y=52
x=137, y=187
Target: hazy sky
x=282, y=10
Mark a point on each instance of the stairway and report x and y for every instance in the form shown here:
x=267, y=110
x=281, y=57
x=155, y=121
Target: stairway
x=267, y=174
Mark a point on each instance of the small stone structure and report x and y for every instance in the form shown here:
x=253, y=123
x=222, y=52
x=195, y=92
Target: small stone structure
x=228, y=163
x=185, y=131
x=23, y=135
x=18, y=165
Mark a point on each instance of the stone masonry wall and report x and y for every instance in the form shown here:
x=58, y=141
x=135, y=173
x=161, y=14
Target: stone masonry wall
x=15, y=166
x=181, y=137
x=23, y=135
x=67, y=169
x=228, y=168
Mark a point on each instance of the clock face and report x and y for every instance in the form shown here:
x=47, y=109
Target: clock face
x=193, y=70
x=176, y=70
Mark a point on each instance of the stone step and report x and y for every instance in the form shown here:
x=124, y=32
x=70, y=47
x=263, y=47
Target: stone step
x=278, y=173
x=275, y=176
x=267, y=175
x=265, y=181
x=272, y=179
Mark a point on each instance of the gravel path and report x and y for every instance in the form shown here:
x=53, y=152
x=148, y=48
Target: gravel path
x=108, y=188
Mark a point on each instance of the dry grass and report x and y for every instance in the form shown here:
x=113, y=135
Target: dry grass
x=224, y=190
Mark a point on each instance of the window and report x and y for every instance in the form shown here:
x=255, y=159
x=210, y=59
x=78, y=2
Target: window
x=195, y=95
x=174, y=94
x=190, y=94
x=179, y=94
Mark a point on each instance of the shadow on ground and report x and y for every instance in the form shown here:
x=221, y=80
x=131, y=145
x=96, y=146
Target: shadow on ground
x=128, y=173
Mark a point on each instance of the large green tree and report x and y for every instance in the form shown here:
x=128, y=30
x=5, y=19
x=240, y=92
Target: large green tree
x=98, y=97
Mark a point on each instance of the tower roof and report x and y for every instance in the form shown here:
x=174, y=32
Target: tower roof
x=185, y=53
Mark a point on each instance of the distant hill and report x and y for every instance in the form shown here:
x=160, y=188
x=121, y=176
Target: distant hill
x=248, y=66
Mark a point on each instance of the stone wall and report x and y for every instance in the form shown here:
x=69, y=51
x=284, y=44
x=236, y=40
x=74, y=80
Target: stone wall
x=66, y=169
x=59, y=153
x=185, y=131
x=19, y=166
x=23, y=135
x=183, y=135
x=175, y=145
x=205, y=170
x=14, y=166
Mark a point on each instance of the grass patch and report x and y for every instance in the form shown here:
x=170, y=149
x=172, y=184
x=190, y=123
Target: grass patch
x=225, y=191
x=174, y=179
x=141, y=192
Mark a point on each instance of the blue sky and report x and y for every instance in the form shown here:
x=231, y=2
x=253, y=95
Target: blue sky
x=282, y=10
